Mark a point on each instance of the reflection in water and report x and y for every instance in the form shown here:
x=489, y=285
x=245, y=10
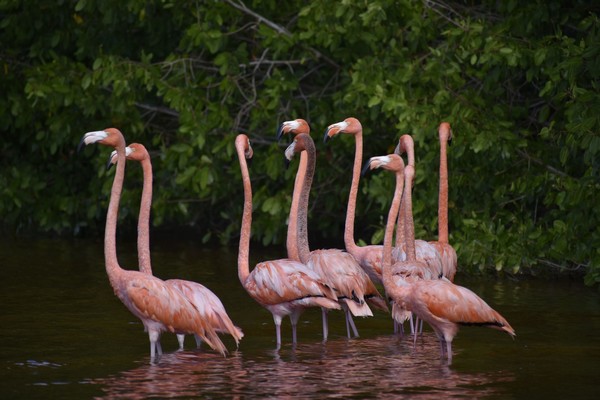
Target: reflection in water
x=384, y=365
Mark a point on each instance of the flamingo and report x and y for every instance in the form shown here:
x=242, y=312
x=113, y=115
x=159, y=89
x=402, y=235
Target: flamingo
x=425, y=251
x=442, y=304
x=295, y=126
x=446, y=251
x=159, y=306
x=337, y=267
x=419, y=270
x=208, y=304
x=284, y=287
x=369, y=257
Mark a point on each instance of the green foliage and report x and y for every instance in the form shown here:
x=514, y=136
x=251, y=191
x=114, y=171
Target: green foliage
x=518, y=82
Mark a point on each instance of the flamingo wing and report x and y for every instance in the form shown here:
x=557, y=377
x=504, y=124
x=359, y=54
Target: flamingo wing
x=209, y=305
x=278, y=281
x=461, y=306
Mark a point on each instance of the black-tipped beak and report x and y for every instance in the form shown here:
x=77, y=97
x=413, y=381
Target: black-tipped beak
x=450, y=142
x=366, y=168
x=326, y=137
x=279, y=132
x=109, y=164
x=286, y=162
x=249, y=162
x=81, y=144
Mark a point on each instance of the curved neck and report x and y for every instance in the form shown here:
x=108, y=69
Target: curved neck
x=110, y=232
x=392, y=215
x=409, y=227
x=351, y=211
x=292, y=240
x=143, y=239
x=244, y=248
x=443, y=195
x=302, y=220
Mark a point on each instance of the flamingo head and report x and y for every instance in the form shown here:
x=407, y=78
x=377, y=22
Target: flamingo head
x=349, y=125
x=242, y=143
x=109, y=137
x=391, y=162
x=405, y=144
x=112, y=159
x=133, y=152
x=302, y=142
x=445, y=132
x=295, y=126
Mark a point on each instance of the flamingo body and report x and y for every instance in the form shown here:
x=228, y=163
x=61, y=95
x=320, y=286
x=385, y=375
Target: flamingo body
x=284, y=287
x=207, y=303
x=160, y=307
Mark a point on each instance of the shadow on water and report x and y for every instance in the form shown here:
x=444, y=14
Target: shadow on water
x=65, y=335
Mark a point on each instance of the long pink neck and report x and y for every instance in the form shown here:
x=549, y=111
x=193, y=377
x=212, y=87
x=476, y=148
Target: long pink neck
x=292, y=239
x=302, y=220
x=244, y=249
x=409, y=223
x=143, y=240
x=351, y=246
x=110, y=232
x=392, y=215
x=443, y=195
x=408, y=144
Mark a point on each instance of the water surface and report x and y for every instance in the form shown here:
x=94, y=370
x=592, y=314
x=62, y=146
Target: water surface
x=65, y=335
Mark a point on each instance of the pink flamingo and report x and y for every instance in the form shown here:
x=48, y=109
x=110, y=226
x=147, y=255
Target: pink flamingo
x=424, y=250
x=284, y=287
x=442, y=304
x=208, y=304
x=160, y=307
x=352, y=285
x=446, y=251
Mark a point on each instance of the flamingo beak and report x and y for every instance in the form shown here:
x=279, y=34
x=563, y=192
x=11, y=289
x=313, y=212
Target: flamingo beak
x=280, y=132
x=366, y=168
x=289, y=154
x=326, y=137
x=92, y=137
x=397, y=149
x=112, y=160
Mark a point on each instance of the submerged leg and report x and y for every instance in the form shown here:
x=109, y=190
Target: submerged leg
x=352, y=325
x=198, y=341
x=294, y=317
x=325, y=323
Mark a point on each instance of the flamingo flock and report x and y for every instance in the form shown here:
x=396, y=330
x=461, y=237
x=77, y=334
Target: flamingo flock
x=416, y=275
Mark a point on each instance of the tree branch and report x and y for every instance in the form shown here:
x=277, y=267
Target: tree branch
x=278, y=28
x=540, y=162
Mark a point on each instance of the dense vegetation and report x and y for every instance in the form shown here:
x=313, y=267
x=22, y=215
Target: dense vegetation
x=519, y=82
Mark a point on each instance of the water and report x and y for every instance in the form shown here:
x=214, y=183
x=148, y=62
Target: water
x=65, y=335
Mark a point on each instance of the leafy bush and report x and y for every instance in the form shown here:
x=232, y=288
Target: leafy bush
x=518, y=82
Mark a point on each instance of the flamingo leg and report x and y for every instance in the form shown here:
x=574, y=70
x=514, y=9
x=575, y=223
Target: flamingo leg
x=277, y=320
x=198, y=341
x=350, y=321
x=155, y=348
x=449, y=351
x=294, y=316
x=325, y=323
x=180, y=339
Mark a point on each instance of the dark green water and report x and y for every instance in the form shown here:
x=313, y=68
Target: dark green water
x=65, y=335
